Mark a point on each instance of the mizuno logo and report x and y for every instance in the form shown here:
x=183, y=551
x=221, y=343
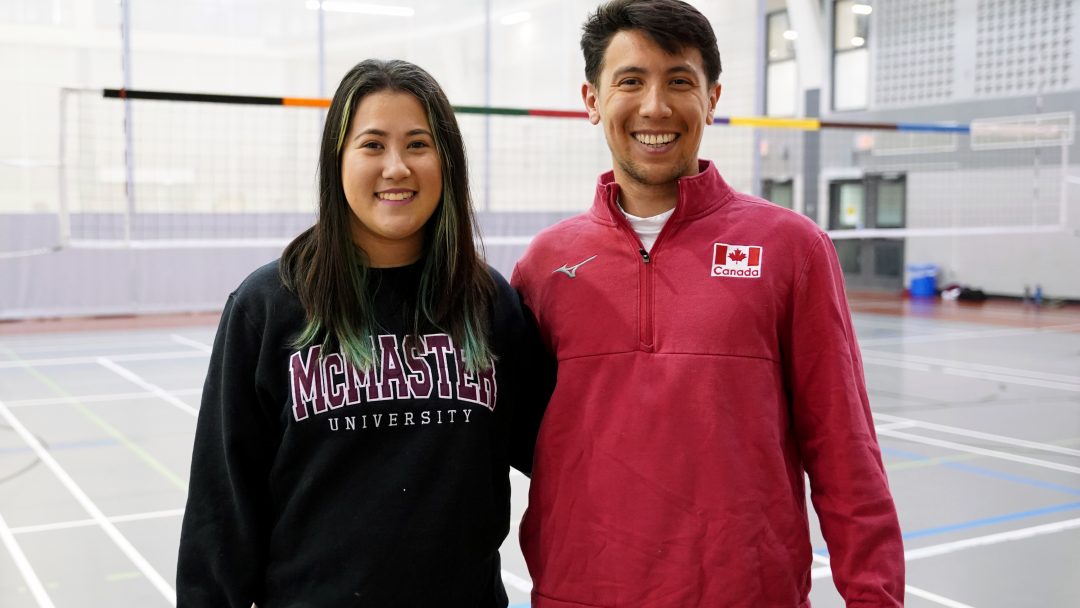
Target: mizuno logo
x=571, y=271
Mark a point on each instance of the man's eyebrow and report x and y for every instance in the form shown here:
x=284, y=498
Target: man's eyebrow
x=681, y=69
x=629, y=69
x=633, y=69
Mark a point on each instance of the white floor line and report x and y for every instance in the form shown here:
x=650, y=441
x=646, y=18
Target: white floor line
x=153, y=388
x=92, y=509
x=892, y=426
x=1075, y=388
x=97, y=398
x=933, y=597
x=967, y=543
x=963, y=335
x=1046, y=464
x=826, y=572
x=206, y=348
x=1023, y=443
x=27, y=571
x=991, y=539
x=978, y=367
x=89, y=359
x=82, y=523
x=923, y=367
x=515, y=581
x=919, y=367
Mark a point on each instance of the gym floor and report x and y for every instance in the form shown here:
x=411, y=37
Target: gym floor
x=977, y=410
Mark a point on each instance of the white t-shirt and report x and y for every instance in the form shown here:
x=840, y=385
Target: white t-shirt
x=648, y=228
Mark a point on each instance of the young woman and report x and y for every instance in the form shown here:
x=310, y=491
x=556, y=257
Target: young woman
x=353, y=443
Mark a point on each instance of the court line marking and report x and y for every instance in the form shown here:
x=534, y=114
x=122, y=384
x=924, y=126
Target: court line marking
x=933, y=597
x=976, y=367
x=892, y=426
x=991, y=539
x=23, y=564
x=206, y=348
x=1075, y=388
x=143, y=455
x=955, y=462
x=97, y=398
x=941, y=443
x=153, y=388
x=515, y=581
x=826, y=571
x=90, y=359
x=81, y=523
x=92, y=341
x=1034, y=445
x=990, y=521
x=967, y=543
x=92, y=509
x=962, y=335
x=922, y=367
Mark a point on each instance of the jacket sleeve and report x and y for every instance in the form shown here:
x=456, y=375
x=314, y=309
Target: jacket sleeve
x=223, y=542
x=835, y=434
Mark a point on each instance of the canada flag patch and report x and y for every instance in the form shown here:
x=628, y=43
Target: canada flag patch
x=739, y=261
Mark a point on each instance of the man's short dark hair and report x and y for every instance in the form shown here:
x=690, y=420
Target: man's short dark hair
x=671, y=24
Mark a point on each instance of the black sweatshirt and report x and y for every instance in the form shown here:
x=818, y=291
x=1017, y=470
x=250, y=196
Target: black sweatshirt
x=316, y=484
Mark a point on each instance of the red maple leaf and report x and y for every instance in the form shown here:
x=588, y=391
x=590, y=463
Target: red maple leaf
x=737, y=255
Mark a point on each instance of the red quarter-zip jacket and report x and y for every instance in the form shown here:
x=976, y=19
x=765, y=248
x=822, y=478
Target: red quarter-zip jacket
x=696, y=386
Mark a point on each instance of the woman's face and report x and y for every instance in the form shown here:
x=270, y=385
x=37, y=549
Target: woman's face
x=392, y=177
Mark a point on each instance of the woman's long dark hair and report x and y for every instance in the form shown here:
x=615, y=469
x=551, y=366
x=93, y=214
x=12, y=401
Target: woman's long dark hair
x=331, y=274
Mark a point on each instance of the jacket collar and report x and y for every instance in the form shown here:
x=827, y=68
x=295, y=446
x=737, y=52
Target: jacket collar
x=698, y=194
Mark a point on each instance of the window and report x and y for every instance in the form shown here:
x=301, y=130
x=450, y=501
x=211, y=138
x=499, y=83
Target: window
x=848, y=208
x=851, y=25
x=890, y=204
x=780, y=192
x=781, y=88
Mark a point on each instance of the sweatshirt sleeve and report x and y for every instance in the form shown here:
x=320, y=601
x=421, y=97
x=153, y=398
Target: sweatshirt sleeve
x=224, y=539
x=836, y=438
x=535, y=372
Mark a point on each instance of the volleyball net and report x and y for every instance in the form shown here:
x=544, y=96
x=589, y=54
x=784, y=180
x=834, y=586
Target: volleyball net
x=144, y=169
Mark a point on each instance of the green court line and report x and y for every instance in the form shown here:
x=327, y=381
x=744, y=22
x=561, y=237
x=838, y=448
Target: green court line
x=112, y=431
x=930, y=462
x=116, y=577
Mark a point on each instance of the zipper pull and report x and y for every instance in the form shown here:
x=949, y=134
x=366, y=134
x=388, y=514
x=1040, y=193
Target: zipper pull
x=644, y=255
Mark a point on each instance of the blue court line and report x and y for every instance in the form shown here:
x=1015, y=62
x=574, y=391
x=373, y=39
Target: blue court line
x=986, y=521
x=989, y=521
x=66, y=445
x=978, y=523
x=984, y=472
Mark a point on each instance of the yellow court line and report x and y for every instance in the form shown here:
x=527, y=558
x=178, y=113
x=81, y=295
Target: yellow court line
x=112, y=431
x=929, y=462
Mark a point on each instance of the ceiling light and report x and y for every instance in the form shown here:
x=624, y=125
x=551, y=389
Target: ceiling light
x=858, y=41
x=790, y=34
x=862, y=9
x=332, y=6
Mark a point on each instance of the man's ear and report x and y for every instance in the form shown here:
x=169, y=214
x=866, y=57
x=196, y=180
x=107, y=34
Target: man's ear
x=588, y=95
x=714, y=96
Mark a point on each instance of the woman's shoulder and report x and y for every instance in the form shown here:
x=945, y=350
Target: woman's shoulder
x=264, y=281
x=263, y=294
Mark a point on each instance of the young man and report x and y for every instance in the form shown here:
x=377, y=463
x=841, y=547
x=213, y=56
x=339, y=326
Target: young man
x=706, y=362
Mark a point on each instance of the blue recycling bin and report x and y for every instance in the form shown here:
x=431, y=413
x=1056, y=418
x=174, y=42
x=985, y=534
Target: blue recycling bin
x=923, y=280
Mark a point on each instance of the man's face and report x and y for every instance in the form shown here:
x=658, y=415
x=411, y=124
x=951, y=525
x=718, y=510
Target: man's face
x=654, y=107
